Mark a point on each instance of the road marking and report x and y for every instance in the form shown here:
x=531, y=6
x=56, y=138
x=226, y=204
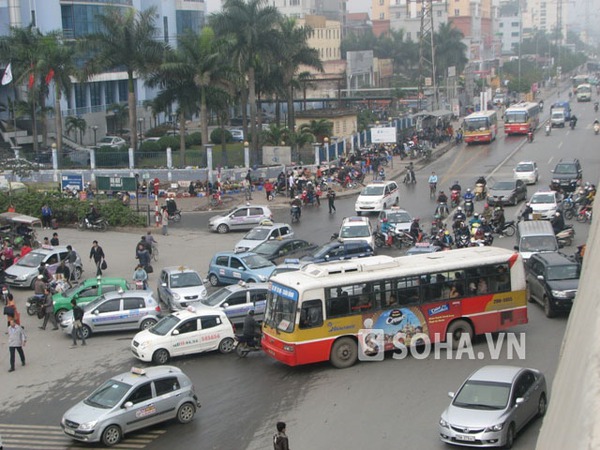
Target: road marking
x=550, y=160
x=560, y=144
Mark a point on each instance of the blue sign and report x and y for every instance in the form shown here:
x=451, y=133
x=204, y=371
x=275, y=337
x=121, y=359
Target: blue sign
x=284, y=292
x=71, y=182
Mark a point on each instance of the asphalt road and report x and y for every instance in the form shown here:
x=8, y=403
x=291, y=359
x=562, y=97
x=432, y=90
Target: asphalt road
x=390, y=404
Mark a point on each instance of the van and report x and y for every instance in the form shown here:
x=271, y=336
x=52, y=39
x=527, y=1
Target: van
x=535, y=236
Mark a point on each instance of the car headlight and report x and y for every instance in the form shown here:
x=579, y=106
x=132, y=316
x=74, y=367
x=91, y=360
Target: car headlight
x=262, y=278
x=143, y=345
x=22, y=277
x=497, y=427
x=559, y=294
x=554, y=180
x=176, y=296
x=443, y=423
x=87, y=426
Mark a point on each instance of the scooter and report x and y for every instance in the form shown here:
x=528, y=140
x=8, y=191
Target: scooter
x=462, y=240
x=468, y=207
x=548, y=129
x=246, y=345
x=35, y=306
x=99, y=224
x=596, y=127
x=295, y=213
x=454, y=198
x=530, y=136
x=565, y=236
x=409, y=178
x=572, y=124
x=442, y=210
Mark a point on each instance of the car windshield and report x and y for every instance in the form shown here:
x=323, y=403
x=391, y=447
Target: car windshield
x=483, y=395
x=565, y=272
x=538, y=244
x=325, y=250
x=515, y=117
x=31, y=259
x=106, y=140
x=355, y=231
x=558, y=115
x=108, y=395
x=477, y=123
x=280, y=309
x=256, y=262
x=165, y=325
x=372, y=191
x=542, y=198
x=216, y=297
x=185, y=279
x=525, y=168
x=565, y=169
x=257, y=234
x=503, y=186
x=71, y=291
x=267, y=248
x=399, y=217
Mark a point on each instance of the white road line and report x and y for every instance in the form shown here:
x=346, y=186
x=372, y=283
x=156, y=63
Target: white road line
x=550, y=160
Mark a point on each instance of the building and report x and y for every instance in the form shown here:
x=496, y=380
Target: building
x=331, y=9
x=474, y=18
x=345, y=121
x=509, y=27
x=543, y=15
x=326, y=36
x=406, y=15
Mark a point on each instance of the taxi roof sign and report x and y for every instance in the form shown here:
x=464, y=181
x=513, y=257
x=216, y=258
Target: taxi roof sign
x=138, y=371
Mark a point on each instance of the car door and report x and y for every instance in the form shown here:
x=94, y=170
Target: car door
x=87, y=294
x=284, y=251
x=163, y=285
x=535, y=286
x=134, y=309
x=142, y=412
x=167, y=393
x=395, y=193
x=286, y=232
x=221, y=268
x=521, y=190
x=106, y=316
x=255, y=216
x=236, y=271
x=238, y=220
x=236, y=306
x=51, y=261
x=210, y=334
x=524, y=388
x=185, y=338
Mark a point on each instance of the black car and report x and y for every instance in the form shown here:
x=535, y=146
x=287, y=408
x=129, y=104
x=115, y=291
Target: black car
x=552, y=281
x=277, y=251
x=567, y=174
x=337, y=251
x=507, y=192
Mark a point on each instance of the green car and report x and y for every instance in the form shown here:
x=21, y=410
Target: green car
x=85, y=292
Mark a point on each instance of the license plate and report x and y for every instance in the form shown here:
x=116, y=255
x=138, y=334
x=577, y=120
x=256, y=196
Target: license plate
x=69, y=431
x=462, y=437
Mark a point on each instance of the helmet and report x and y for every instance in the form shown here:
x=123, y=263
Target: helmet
x=476, y=215
x=384, y=219
x=498, y=208
x=557, y=213
x=459, y=209
x=251, y=312
x=446, y=232
x=40, y=277
x=469, y=190
x=296, y=197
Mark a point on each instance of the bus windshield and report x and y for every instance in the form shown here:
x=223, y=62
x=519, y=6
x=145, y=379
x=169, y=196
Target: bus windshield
x=281, y=308
x=478, y=123
x=515, y=117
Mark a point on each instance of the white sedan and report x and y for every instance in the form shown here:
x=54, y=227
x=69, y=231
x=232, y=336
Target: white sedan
x=526, y=171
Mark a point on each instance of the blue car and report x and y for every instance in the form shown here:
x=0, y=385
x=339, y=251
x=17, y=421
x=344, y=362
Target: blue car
x=231, y=268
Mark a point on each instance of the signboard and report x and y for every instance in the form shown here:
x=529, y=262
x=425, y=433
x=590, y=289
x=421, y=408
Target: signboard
x=383, y=135
x=274, y=156
x=116, y=183
x=71, y=182
x=359, y=62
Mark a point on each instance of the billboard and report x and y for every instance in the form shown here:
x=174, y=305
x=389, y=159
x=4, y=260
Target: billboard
x=359, y=62
x=277, y=155
x=71, y=182
x=383, y=135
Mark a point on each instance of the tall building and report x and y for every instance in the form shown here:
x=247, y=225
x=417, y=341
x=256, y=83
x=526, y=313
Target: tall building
x=509, y=27
x=326, y=36
x=474, y=18
x=406, y=15
x=544, y=15
x=331, y=9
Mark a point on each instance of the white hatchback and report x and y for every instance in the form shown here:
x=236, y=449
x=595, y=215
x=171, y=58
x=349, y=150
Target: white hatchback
x=263, y=233
x=356, y=229
x=377, y=196
x=526, y=171
x=544, y=204
x=183, y=333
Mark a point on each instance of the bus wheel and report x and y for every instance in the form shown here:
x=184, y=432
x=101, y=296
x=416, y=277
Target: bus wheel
x=457, y=329
x=344, y=353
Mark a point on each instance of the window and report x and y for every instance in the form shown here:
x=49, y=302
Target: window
x=133, y=303
x=515, y=34
x=91, y=291
x=439, y=13
x=344, y=300
x=52, y=260
x=166, y=386
x=237, y=299
x=110, y=306
x=222, y=261
x=188, y=327
x=240, y=213
x=141, y=394
x=501, y=24
x=235, y=263
x=381, y=16
x=256, y=212
x=258, y=296
x=210, y=322
x=109, y=288
x=457, y=12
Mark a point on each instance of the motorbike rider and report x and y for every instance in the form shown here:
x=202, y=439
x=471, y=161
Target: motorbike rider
x=481, y=180
x=296, y=202
x=573, y=121
x=526, y=213
x=410, y=173
x=385, y=228
x=92, y=214
x=415, y=229
x=596, y=106
x=459, y=216
x=557, y=222
x=442, y=198
x=456, y=187
x=596, y=124
x=498, y=219
x=447, y=240
x=476, y=219
x=469, y=195
x=433, y=179
x=250, y=329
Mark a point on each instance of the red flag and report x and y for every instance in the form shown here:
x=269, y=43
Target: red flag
x=49, y=76
x=31, y=80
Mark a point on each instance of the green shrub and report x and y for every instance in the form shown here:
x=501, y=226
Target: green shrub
x=150, y=147
x=168, y=141
x=193, y=139
x=218, y=134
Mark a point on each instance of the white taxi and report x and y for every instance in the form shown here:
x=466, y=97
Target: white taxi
x=183, y=333
x=377, y=196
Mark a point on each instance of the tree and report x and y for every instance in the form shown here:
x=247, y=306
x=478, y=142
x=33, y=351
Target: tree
x=449, y=50
x=319, y=128
x=126, y=41
x=120, y=113
x=76, y=124
x=252, y=28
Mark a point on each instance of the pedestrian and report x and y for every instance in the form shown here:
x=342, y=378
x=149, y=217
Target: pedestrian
x=46, y=242
x=269, y=190
x=97, y=255
x=280, y=439
x=63, y=272
x=142, y=255
x=77, y=323
x=331, y=200
x=54, y=241
x=71, y=259
x=10, y=310
x=164, y=220
x=16, y=341
x=11, y=208
x=48, y=310
x=46, y=216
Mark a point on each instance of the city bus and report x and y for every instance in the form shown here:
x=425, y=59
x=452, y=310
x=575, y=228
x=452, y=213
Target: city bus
x=315, y=314
x=584, y=92
x=520, y=117
x=480, y=126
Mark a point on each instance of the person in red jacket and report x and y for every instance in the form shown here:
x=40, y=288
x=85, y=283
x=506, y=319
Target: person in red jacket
x=269, y=190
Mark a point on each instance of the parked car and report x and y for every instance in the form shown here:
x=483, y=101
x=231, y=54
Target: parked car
x=115, y=142
x=240, y=218
x=236, y=300
x=544, y=204
x=507, y=192
x=336, y=251
x=116, y=311
x=356, y=229
x=85, y=292
x=377, y=196
x=237, y=134
x=398, y=218
x=130, y=401
x=179, y=287
x=231, y=267
x=278, y=250
x=492, y=406
x=184, y=333
x=552, y=281
x=263, y=233
x=527, y=171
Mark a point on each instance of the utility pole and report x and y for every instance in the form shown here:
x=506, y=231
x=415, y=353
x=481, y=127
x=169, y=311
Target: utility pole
x=427, y=54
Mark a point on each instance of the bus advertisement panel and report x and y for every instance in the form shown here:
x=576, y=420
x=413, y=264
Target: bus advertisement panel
x=317, y=313
x=480, y=126
x=521, y=117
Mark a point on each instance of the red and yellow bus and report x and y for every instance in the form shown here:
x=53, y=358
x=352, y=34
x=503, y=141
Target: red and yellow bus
x=480, y=126
x=520, y=117
x=315, y=314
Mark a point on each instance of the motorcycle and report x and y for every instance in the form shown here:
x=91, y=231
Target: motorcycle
x=442, y=210
x=508, y=229
x=584, y=214
x=468, y=207
x=409, y=178
x=596, y=128
x=548, y=129
x=462, y=240
x=568, y=206
x=480, y=191
x=565, y=236
x=530, y=136
x=139, y=285
x=454, y=198
x=246, y=345
x=35, y=306
x=572, y=124
x=99, y=224
x=175, y=215
x=295, y=213
x=596, y=107
x=397, y=239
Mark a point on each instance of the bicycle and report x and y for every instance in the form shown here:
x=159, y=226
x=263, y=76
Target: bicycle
x=432, y=189
x=155, y=252
x=215, y=200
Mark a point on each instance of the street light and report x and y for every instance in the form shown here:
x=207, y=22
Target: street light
x=95, y=129
x=137, y=192
x=141, y=127
x=326, y=147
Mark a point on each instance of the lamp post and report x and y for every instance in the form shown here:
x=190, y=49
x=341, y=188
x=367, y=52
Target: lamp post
x=95, y=129
x=141, y=128
x=246, y=154
x=326, y=147
x=137, y=192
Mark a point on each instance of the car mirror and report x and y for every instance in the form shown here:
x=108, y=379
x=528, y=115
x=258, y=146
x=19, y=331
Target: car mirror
x=540, y=277
x=519, y=401
x=451, y=394
x=175, y=332
x=96, y=312
x=127, y=405
x=552, y=171
x=225, y=305
x=163, y=284
x=240, y=268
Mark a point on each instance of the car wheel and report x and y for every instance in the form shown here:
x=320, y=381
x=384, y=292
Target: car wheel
x=112, y=435
x=457, y=329
x=542, y=405
x=86, y=332
x=77, y=272
x=250, y=281
x=147, y=323
x=344, y=353
x=60, y=314
x=226, y=345
x=160, y=357
x=185, y=413
x=510, y=436
x=222, y=229
x=213, y=280
x=548, y=308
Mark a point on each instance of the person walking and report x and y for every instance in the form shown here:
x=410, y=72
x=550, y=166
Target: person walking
x=331, y=200
x=97, y=255
x=280, y=439
x=77, y=323
x=143, y=256
x=16, y=341
x=48, y=310
x=46, y=217
x=10, y=310
x=164, y=221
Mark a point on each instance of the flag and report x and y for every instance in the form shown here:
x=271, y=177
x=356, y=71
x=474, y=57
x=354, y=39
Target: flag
x=7, y=77
x=31, y=80
x=49, y=76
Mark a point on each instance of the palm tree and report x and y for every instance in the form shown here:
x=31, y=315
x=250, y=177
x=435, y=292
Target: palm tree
x=120, y=112
x=126, y=40
x=76, y=124
x=319, y=128
x=298, y=140
x=253, y=29
x=449, y=49
x=305, y=81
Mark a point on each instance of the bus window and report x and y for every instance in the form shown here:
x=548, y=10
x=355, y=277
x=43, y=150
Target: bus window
x=501, y=280
x=338, y=304
x=362, y=300
x=311, y=314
